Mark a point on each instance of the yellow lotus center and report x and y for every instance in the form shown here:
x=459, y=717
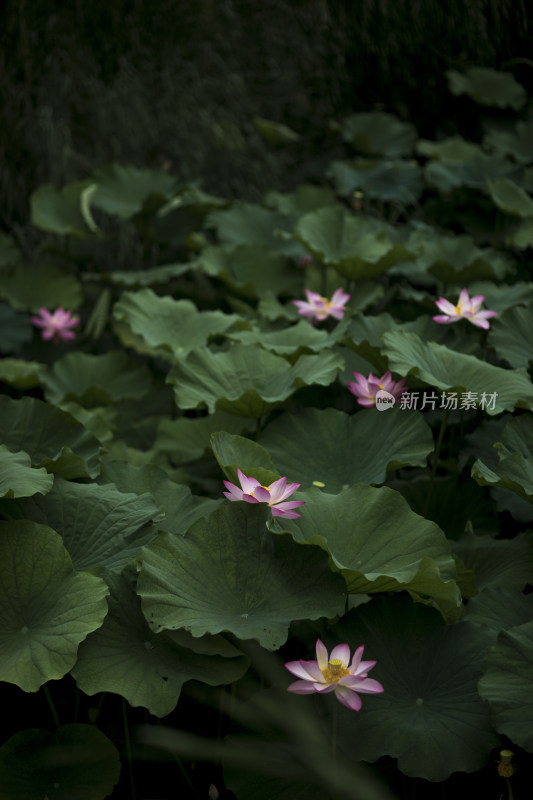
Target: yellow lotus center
x=326, y=301
x=459, y=308
x=381, y=386
x=335, y=671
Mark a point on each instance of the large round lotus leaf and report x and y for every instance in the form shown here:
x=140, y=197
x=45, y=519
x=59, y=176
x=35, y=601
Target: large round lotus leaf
x=454, y=150
x=522, y=236
x=511, y=336
x=245, y=222
x=52, y=437
x=379, y=133
x=447, y=369
x=124, y=656
x=234, y=452
x=47, y=609
x=339, y=450
x=16, y=329
x=31, y=287
x=63, y=211
x=9, y=252
x=499, y=610
x=430, y=716
x=96, y=380
x=20, y=373
x=305, y=198
x=247, y=381
x=77, y=762
x=356, y=247
x=488, y=87
x=449, y=501
x=17, y=476
x=509, y=462
x=498, y=563
x=471, y=174
x=299, y=338
x=517, y=144
x=502, y=296
x=507, y=684
x=99, y=525
x=122, y=190
x=510, y=197
x=180, y=507
x=252, y=269
x=392, y=181
x=163, y=326
x=231, y=574
x=377, y=543
x=186, y=438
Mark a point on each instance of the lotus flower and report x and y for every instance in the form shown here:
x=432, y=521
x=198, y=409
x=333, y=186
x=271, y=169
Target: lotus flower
x=334, y=675
x=466, y=308
x=317, y=308
x=56, y=326
x=251, y=491
x=365, y=389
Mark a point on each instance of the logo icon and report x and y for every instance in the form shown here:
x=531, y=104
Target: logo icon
x=384, y=400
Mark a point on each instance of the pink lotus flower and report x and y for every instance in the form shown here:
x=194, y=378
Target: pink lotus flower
x=366, y=389
x=466, y=308
x=334, y=675
x=317, y=308
x=253, y=492
x=56, y=326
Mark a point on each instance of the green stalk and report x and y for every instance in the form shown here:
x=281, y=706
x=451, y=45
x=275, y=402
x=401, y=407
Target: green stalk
x=128, y=749
x=51, y=705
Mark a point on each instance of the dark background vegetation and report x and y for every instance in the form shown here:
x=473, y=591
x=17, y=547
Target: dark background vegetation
x=149, y=82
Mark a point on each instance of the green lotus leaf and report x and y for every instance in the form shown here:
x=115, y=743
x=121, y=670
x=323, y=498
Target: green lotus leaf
x=507, y=686
x=447, y=369
x=21, y=374
x=100, y=421
x=47, y=607
x=185, y=439
x=62, y=211
x=52, y=437
x=9, y=252
x=180, y=507
x=513, y=472
x=99, y=525
x=378, y=544
x=511, y=335
x=93, y=380
x=31, y=287
x=378, y=133
x=339, y=450
x=499, y=610
x=472, y=174
x=510, y=197
x=124, y=656
x=430, y=716
x=391, y=181
x=16, y=329
x=77, y=762
x=247, y=381
x=497, y=564
x=231, y=574
x=140, y=277
x=454, y=150
x=166, y=327
x=450, y=501
x=275, y=134
x=356, y=247
x=508, y=462
x=299, y=338
x=305, y=198
x=17, y=476
x=522, y=236
x=517, y=144
x=488, y=87
x=252, y=269
x=245, y=222
x=122, y=190
x=234, y=452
